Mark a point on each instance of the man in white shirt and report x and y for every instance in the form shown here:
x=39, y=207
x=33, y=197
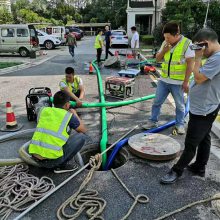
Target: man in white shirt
x=134, y=41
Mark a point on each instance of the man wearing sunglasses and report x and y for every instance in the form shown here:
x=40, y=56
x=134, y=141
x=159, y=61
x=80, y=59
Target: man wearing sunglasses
x=204, y=106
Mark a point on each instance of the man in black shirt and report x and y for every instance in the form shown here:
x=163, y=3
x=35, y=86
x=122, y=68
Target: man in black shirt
x=107, y=42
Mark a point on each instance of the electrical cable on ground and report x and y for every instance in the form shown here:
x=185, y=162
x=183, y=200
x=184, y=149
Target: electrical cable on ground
x=19, y=190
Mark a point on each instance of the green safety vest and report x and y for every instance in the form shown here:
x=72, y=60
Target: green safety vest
x=76, y=84
x=174, y=65
x=51, y=133
x=97, y=43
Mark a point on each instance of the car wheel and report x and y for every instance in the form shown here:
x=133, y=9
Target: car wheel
x=23, y=52
x=49, y=45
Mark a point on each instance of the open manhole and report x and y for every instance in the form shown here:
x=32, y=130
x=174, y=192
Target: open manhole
x=120, y=159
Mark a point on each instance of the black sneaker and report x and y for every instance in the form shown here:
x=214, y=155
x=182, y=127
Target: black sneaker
x=65, y=169
x=196, y=170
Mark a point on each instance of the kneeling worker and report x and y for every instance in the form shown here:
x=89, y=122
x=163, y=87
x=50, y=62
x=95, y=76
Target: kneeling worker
x=72, y=85
x=51, y=145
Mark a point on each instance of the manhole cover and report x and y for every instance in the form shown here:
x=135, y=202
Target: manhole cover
x=216, y=204
x=154, y=146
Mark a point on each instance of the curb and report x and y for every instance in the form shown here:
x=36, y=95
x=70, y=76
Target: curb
x=24, y=66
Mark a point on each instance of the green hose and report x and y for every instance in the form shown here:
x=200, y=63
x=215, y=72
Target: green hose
x=111, y=104
x=104, y=139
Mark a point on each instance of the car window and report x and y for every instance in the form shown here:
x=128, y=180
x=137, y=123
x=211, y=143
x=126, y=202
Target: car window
x=56, y=30
x=8, y=32
x=22, y=32
x=118, y=33
x=33, y=32
x=39, y=34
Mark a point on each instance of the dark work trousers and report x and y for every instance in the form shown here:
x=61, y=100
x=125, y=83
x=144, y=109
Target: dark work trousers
x=99, y=54
x=197, y=138
x=70, y=149
x=107, y=51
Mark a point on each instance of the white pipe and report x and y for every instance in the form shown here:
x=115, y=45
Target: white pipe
x=10, y=136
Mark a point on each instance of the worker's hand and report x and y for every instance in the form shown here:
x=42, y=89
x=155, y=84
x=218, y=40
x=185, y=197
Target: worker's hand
x=199, y=53
x=166, y=47
x=73, y=111
x=185, y=86
x=78, y=103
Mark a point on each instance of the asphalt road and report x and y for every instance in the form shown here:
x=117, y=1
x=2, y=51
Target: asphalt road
x=141, y=176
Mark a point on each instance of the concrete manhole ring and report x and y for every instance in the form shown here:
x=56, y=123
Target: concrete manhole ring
x=154, y=146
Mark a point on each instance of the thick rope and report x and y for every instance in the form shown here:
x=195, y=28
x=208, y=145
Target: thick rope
x=141, y=198
x=19, y=190
x=87, y=200
x=188, y=206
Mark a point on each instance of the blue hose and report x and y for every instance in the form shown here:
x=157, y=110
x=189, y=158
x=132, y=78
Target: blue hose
x=123, y=142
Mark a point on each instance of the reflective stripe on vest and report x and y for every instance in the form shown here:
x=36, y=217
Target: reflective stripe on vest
x=176, y=67
x=50, y=134
x=69, y=85
x=97, y=43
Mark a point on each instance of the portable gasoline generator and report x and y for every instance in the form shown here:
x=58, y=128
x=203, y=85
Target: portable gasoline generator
x=37, y=98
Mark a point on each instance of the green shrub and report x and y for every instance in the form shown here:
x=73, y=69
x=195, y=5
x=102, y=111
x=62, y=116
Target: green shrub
x=147, y=39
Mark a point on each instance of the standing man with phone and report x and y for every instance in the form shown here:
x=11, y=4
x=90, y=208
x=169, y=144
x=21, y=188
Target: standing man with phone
x=177, y=66
x=204, y=106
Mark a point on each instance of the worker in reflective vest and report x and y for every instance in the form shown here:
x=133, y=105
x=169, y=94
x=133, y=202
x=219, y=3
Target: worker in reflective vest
x=51, y=145
x=177, y=66
x=73, y=86
x=99, y=46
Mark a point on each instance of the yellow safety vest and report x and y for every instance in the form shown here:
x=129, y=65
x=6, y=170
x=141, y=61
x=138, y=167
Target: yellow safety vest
x=51, y=133
x=174, y=65
x=97, y=43
x=76, y=84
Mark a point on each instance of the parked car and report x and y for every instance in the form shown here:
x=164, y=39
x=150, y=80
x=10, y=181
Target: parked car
x=58, y=31
x=75, y=29
x=18, y=38
x=119, y=37
x=47, y=41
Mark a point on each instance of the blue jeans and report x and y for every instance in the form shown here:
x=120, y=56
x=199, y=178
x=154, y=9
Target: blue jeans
x=70, y=149
x=163, y=90
x=71, y=50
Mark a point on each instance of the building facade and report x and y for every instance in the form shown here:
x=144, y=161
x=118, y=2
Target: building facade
x=141, y=13
x=6, y=4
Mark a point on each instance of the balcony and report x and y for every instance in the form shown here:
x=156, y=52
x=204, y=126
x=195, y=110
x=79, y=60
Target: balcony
x=141, y=3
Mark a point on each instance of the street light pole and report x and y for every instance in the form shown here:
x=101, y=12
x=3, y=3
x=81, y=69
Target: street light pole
x=155, y=18
x=206, y=16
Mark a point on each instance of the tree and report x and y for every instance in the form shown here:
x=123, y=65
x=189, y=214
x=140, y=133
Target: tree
x=191, y=15
x=5, y=16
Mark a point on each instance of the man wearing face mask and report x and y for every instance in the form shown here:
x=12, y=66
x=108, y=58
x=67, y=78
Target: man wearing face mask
x=204, y=106
x=177, y=66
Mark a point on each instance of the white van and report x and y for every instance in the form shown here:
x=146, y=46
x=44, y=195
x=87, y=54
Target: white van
x=18, y=38
x=58, y=31
x=47, y=41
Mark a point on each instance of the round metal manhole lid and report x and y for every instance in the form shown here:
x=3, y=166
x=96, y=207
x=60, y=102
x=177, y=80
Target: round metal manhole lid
x=154, y=146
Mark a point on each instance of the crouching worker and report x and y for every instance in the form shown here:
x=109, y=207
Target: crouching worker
x=73, y=86
x=51, y=145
